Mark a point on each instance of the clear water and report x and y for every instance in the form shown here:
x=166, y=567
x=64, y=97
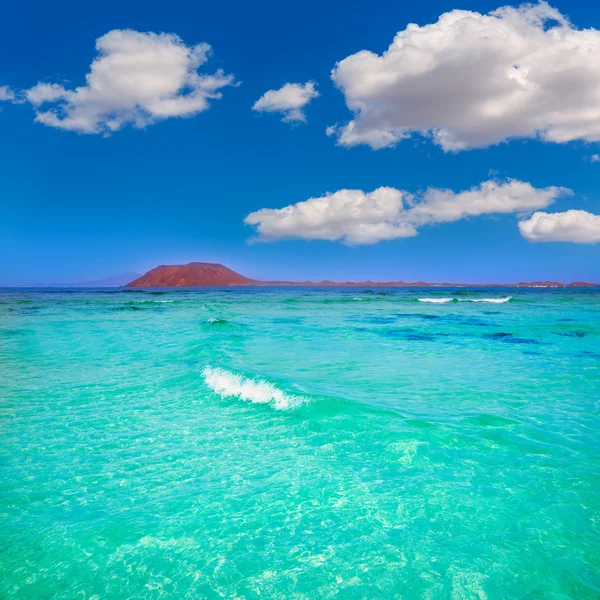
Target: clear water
x=300, y=443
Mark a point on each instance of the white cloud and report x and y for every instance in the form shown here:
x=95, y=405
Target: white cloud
x=6, y=94
x=289, y=100
x=594, y=158
x=576, y=226
x=137, y=78
x=356, y=217
x=471, y=80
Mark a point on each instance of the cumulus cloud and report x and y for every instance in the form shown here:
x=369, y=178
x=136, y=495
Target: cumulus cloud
x=472, y=80
x=6, y=94
x=576, y=226
x=137, y=78
x=594, y=158
x=356, y=217
x=289, y=100
x=353, y=216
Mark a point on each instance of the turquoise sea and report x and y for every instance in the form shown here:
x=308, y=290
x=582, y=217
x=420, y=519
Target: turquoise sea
x=281, y=443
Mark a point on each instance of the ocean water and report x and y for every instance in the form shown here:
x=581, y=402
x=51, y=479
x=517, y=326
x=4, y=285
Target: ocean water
x=300, y=443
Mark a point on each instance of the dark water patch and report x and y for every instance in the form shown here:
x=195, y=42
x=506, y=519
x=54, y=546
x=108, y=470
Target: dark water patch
x=376, y=293
x=380, y=320
x=517, y=340
x=423, y=337
x=416, y=316
x=362, y=329
x=578, y=334
x=288, y=320
x=474, y=322
x=29, y=310
x=508, y=338
x=589, y=354
x=492, y=312
x=457, y=318
x=142, y=305
x=10, y=332
x=405, y=333
x=371, y=319
x=567, y=320
x=532, y=353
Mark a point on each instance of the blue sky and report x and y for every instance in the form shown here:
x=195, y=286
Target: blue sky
x=79, y=206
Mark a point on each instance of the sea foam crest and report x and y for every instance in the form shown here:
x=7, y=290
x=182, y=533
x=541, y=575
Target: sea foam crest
x=436, y=300
x=444, y=300
x=228, y=385
x=490, y=300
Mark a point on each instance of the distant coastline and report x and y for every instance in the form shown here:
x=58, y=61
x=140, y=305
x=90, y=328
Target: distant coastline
x=199, y=274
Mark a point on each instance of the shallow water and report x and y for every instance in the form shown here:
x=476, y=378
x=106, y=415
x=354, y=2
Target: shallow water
x=300, y=443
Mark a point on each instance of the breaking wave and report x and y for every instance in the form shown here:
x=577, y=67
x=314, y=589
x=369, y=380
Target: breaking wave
x=230, y=385
x=490, y=300
x=445, y=300
x=437, y=300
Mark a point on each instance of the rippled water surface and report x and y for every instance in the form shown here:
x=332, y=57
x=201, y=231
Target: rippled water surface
x=300, y=443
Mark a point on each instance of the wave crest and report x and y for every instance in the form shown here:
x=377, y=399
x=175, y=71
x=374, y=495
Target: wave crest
x=445, y=300
x=228, y=385
x=491, y=300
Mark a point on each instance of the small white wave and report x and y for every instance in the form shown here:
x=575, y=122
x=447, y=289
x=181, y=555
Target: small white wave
x=436, y=300
x=228, y=384
x=490, y=300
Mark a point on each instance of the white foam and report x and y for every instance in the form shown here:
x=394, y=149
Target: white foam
x=490, y=300
x=228, y=384
x=436, y=300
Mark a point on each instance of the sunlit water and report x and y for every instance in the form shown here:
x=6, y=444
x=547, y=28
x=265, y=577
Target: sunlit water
x=300, y=443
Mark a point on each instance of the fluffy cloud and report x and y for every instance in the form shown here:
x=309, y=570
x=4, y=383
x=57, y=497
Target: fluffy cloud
x=353, y=216
x=594, y=158
x=289, y=100
x=6, y=94
x=471, y=80
x=356, y=217
x=137, y=78
x=576, y=226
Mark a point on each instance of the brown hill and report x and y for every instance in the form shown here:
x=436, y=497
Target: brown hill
x=199, y=274
x=194, y=274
